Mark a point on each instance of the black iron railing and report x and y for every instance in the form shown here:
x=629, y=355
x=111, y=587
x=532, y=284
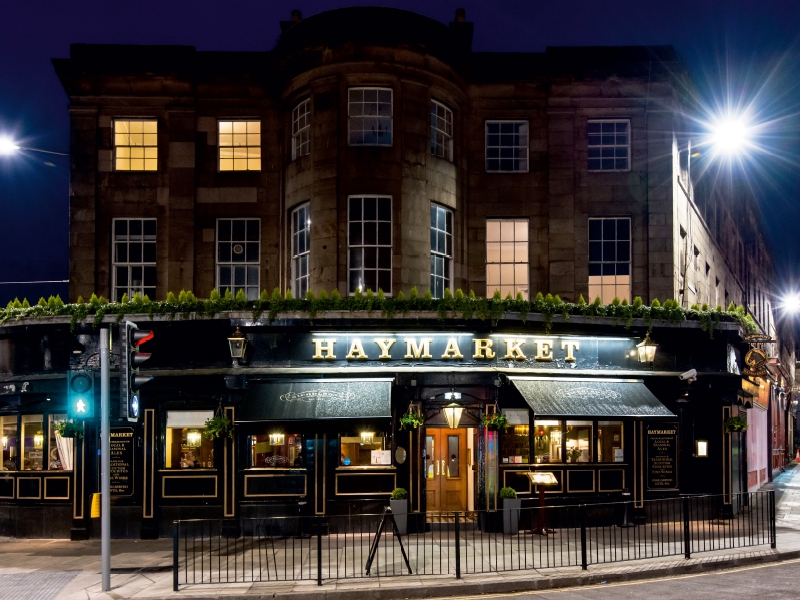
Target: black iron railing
x=453, y=543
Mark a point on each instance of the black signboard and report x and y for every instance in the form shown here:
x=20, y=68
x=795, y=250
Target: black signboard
x=122, y=461
x=662, y=457
x=331, y=350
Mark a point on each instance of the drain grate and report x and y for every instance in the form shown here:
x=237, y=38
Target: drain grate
x=39, y=585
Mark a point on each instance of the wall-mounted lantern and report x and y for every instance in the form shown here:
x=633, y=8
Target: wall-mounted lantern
x=453, y=412
x=647, y=350
x=701, y=448
x=238, y=345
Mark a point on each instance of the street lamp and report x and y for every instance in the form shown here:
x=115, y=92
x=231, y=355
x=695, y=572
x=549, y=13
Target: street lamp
x=9, y=146
x=791, y=303
x=647, y=350
x=730, y=135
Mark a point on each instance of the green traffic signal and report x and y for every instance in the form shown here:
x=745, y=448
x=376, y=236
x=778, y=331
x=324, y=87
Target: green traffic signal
x=80, y=394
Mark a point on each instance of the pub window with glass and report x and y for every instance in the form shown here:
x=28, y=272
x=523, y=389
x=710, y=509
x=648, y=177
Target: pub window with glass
x=365, y=448
x=515, y=439
x=187, y=446
x=34, y=443
x=577, y=441
x=276, y=449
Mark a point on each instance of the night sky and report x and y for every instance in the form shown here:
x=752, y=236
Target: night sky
x=741, y=53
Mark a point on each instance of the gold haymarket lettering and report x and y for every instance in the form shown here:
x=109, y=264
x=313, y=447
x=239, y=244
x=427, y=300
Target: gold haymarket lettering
x=356, y=351
x=323, y=345
x=514, y=349
x=452, y=350
x=423, y=350
x=483, y=348
x=385, y=345
x=544, y=350
x=570, y=346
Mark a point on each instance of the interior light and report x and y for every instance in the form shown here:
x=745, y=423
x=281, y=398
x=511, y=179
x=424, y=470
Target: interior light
x=276, y=439
x=193, y=438
x=367, y=438
x=38, y=440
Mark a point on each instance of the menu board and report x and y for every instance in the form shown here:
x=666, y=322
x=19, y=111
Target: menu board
x=662, y=457
x=122, y=461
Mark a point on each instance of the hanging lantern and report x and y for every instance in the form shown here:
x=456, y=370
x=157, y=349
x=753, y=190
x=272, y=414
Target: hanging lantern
x=38, y=440
x=193, y=438
x=452, y=412
x=276, y=439
x=647, y=350
x=367, y=438
x=238, y=344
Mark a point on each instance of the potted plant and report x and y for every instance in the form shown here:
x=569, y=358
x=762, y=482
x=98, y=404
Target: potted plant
x=70, y=428
x=495, y=421
x=573, y=454
x=735, y=424
x=511, y=509
x=399, y=504
x=411, y=421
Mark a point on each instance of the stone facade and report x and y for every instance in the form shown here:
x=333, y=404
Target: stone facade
x=682, y=246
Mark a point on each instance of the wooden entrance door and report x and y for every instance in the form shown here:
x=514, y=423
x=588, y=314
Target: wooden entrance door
x=446, y=469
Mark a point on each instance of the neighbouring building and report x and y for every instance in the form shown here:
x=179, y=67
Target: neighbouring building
x=353, y=157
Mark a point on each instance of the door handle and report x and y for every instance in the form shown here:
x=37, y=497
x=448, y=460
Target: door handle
x=437, y=467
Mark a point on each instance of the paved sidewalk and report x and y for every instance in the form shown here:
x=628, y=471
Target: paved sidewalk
x=63, y=570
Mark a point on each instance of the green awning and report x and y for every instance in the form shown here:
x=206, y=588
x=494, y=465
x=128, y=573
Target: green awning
x=317, y=399
x=562, y=397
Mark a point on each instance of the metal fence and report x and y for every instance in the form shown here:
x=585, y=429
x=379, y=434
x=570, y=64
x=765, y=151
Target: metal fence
x=453, y=543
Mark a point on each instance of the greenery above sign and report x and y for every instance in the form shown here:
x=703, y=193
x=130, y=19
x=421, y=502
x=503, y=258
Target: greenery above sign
x=451, y=306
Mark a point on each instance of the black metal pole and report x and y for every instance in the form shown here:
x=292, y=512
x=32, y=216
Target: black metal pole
x=319, y=554
x=458, y=550
x=687, y=541
x=584, y=561
x=772, y=529
x=175, y=538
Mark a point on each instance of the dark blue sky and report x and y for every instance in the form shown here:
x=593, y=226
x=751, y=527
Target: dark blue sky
x=739, y=49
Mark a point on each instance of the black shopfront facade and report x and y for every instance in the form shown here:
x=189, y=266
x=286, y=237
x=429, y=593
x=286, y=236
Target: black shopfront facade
x=316, y=409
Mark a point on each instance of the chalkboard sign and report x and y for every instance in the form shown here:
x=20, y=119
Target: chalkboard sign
x=662, y=457
x=122, y=461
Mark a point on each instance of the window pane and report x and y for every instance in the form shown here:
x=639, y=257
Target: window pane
x=32, y=454
x=609, y=441
x=609, y=140
x=11, y=445
x=579, y=441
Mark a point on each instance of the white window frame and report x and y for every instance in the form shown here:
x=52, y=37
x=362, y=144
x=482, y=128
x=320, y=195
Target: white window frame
x=301, y=249
x=251, y=289
x=615, y=285
x=441, y=138
x=437, y=253
x=523, y=253
x=602, y=145
x=301, y=129
x=130, y=289
x=378, y=246
x=148, y=144
x=525, y=146
x=350, y=116
x=251, y=144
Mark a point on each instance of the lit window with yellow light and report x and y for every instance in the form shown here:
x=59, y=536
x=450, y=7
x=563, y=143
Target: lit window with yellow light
x=136, y=145
x=187, y=446
x=239, y=145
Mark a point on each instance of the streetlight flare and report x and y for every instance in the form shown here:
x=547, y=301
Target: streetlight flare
x=7, y=146
x=791, y=303
x=729, y=136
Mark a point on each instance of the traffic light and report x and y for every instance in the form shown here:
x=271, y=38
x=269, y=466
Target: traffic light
x=130, y=382
x=80, y=394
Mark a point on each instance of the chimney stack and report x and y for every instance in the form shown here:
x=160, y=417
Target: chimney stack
x=296, y=16
x=461, y=15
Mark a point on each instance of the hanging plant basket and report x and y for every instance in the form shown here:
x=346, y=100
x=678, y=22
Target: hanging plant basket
x=71, y=428
x=218, y=426
x=735, y=424
x=411, y=421
x=495, y=421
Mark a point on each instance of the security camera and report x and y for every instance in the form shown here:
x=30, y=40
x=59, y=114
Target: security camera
x=690, y=375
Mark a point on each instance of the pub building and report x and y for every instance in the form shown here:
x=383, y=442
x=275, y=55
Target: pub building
x=355, y=158
x=316, y=419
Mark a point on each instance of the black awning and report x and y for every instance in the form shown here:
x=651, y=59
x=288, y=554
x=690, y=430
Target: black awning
x=317, y=399
x=554, y=397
